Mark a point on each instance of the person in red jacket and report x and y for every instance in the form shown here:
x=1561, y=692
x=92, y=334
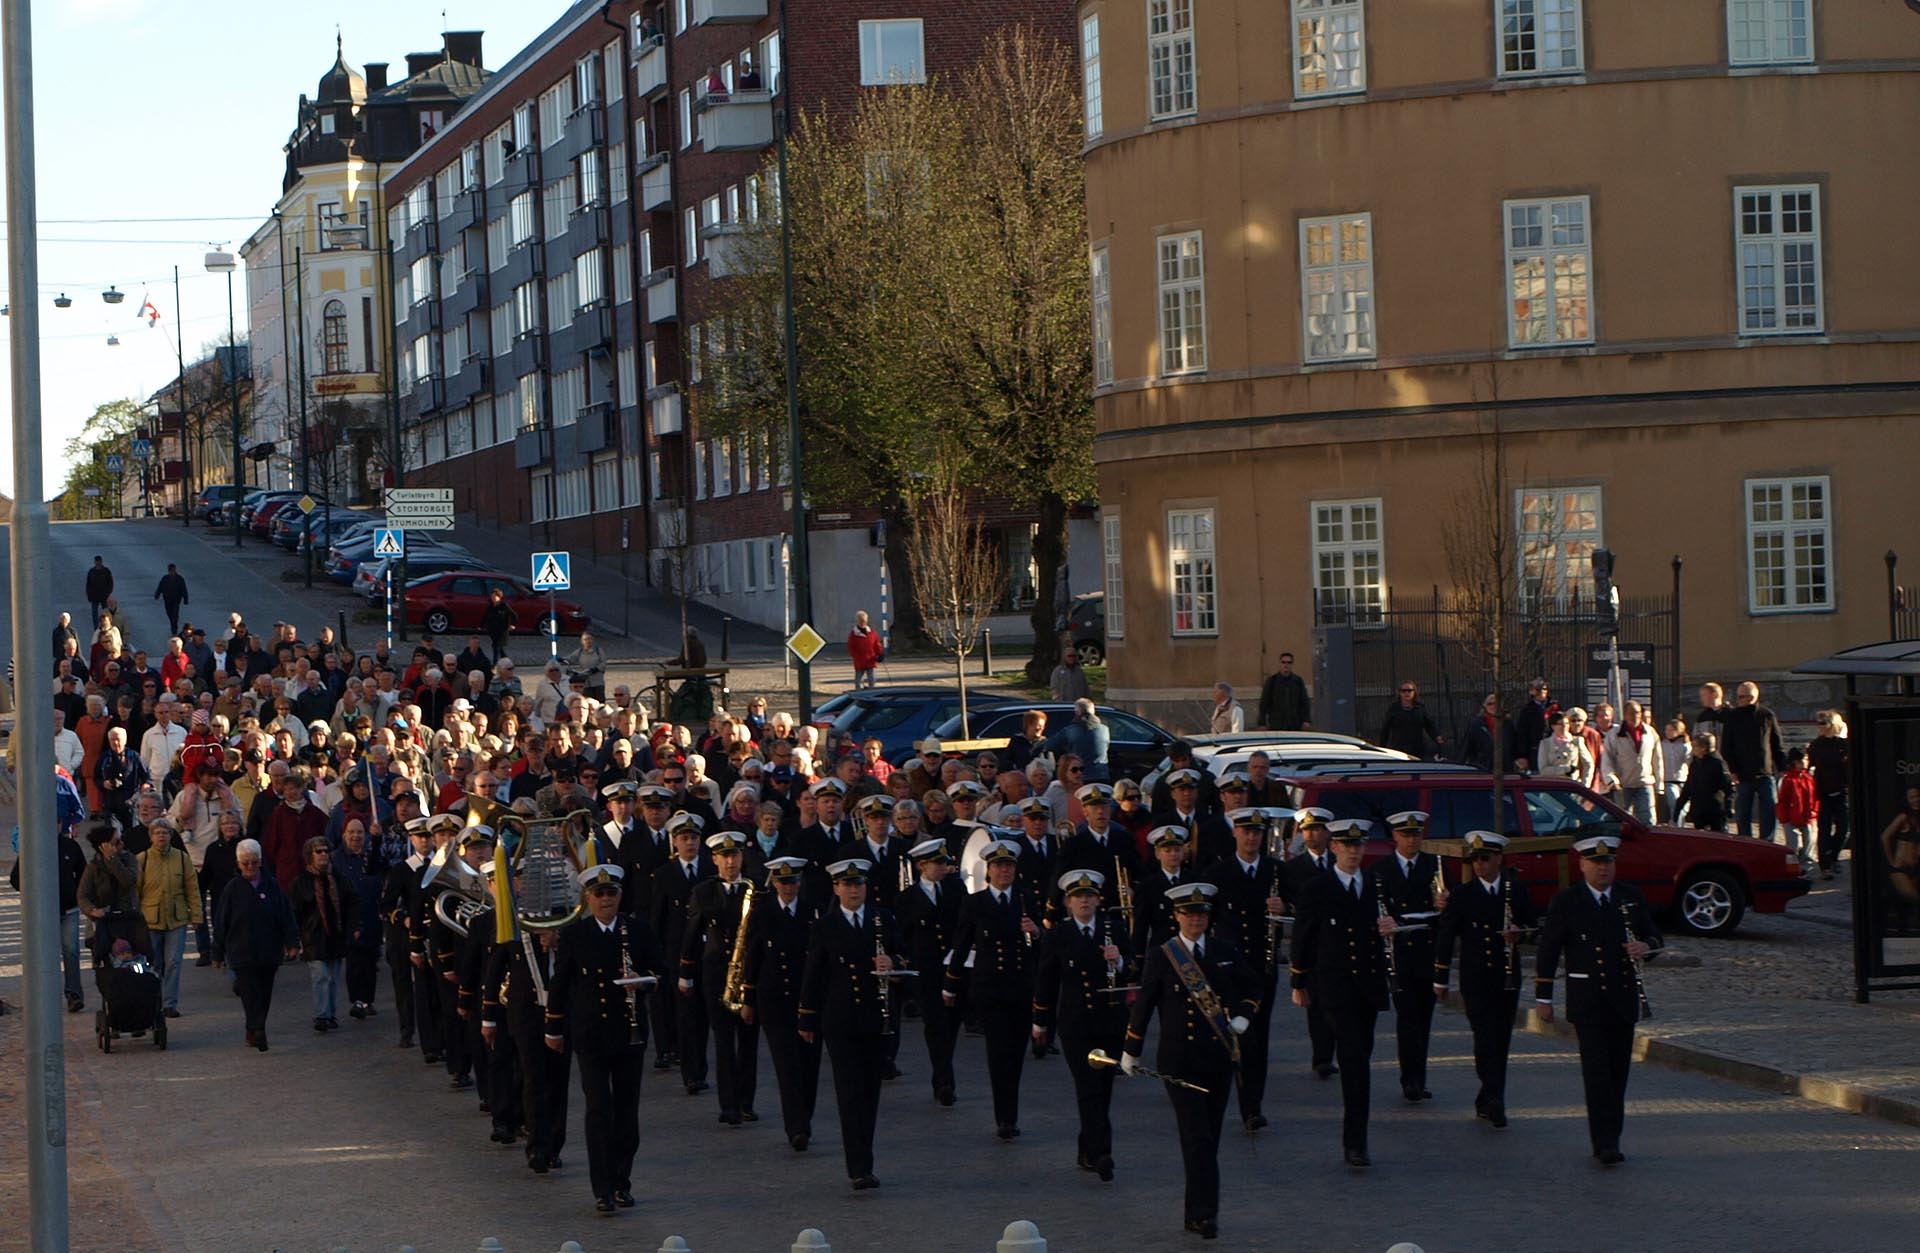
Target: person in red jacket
x=1797, y=806
x=294, y=821
x=866, y=648
x=201, y=745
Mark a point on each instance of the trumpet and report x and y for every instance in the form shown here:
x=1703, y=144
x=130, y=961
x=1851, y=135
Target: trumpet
x=1123, y=885
x=1639, y=980
x=906, y=871
x=733, y=995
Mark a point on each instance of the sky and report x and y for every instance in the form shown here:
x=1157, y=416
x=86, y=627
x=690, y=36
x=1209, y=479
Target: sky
x=180, y=109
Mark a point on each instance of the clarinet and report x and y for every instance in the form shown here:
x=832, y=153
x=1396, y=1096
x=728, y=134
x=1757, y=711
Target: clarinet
x=1512, y=941
x=1386, y=941
x=886, y=984
x=633, y=991
x=1639, y=981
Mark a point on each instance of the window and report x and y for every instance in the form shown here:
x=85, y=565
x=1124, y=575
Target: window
x=700, y=469
x=744, y=560
x=1456, y=812
x=497, y=245
x=502, y=327
x=555, y=103
x=770, y=62
x=1789, y=534
x=615, y=71
x=1349, y=570
x=1777, y=230
x=520, y=213
x=494, y=154
x=751, y=198
x=891, y=52
x=686, y=118
x=540, y=487
x=719, y=560
x=1115, y=579
x=558, y=199
x=334, y=319
x=1190, y=571
x=618, y=177
x=588, y=284
x=1102, y=288
x=630, y=478
x=586, y=178
x=570, y=493
x=446, y=185
x=723, y=467
x=586, y=82
x=1549, y=273
x=420, y=280
x=696, y=352
x=646, y=253
x=690, y=229
x=420, y=355
x=679, y=16
x=606, y=482
x=526, y=309
x=653, y=473
x=776, y=559
x=1336, y=287
x=527, y=400
x=1330, y=47
x=1769, y=32
x=470, y=167
x=522, y=127
x=435, y=440
x=560, y=300
x=1551, y=811
x=1169, y=58
x=1559, y=527
x=453, y=346
x=710, y=211
x=1183, y=304
x=1539, y=37
x=1090, y=73
x=622, y=273
x=327, y=123
x=626, y=374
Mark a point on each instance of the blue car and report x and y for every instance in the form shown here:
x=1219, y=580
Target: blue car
x=899, y=717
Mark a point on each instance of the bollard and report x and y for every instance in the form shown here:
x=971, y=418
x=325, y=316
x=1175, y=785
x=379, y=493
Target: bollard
x=673, y=1244
x=726, y=636
x=1021, y=1237
x=811, y=1241
x=1406, y=1246
x=571, y=1246
x=490, y=1245
x=986, y=651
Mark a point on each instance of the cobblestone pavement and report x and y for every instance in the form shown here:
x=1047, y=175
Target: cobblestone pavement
x=345, y=1140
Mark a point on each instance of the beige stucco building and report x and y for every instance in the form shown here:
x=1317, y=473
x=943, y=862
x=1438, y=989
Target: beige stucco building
x=1667, y=249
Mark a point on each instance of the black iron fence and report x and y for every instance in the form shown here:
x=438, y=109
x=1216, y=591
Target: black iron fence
x=1445, y=647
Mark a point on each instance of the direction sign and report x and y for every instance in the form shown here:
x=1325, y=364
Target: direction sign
x=552, y=572
x=418, y=496
x=414, y=522
x=419, y=511
x=806, y=643
x=389, y=543
x=115, y=464
x=307, y=503
x=142, y=449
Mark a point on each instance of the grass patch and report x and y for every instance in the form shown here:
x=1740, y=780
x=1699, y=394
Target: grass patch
x=1096, y=683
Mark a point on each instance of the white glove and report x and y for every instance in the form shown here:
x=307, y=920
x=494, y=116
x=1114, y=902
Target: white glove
x=686, y=985
x=1128, y=1063
x=1238, y=1023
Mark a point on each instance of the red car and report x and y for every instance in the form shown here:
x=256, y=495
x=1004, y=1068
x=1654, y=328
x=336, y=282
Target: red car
x=262, y=523
x=1705, y=881
x=453, y=602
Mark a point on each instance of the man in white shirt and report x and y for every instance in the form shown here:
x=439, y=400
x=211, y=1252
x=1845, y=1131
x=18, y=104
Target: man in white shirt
x=162, y=740
x=67, y=749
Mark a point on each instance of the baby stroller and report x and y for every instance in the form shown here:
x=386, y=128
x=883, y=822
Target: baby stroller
x=129, y=986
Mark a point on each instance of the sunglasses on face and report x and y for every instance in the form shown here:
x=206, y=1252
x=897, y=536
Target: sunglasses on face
x=676, y=778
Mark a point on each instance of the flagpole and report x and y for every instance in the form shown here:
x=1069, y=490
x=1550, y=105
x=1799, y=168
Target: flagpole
x=180, y=389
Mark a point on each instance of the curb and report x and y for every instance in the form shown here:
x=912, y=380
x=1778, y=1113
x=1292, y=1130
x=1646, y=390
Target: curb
x=1833, y=1093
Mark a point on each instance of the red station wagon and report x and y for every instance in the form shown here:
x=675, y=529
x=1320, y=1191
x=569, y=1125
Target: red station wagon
x=452, y=603
x=1703, y=880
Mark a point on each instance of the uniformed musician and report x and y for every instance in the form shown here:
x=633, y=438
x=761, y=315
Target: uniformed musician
x=1096, y=844
x=1183, y=805
x=667, y=907
x=963, y=799
x=1205, y=993
x=1339, y=961
x=593, y=1003
x=432, y=1005
x=1079, y=988
x=778, y=934
x=992, y=965
x=397, y=893
x=519, y=975
x=1251, y=891
x=459, y=1032
x=853, y=949
x=929, y=915
x=1485, y=919
x=1602, y=928
x=1314, y=859
x=1038, y=849
x=1408, y=880
x=496, y=1074
x=713, y=922
x=1215, y=840
x=619, y=838
x=1153, y=920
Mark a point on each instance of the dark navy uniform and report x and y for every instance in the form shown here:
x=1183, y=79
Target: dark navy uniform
x=777, y=941
x=1153, y=923
x=992, y=967
x=1474, y=920
x=519, y=1009
x=1070, y=995
x=494, y=1072
x=930, y=928
x=1603, y=1002
x=1107, y=854
x=397, y=893
x=608, y=1034
x=682, y=1021
x=1240, y=916
x=1301, y=871
x=1338, y=958
x=1413, y=997
x=713, y=922
x=840, y=999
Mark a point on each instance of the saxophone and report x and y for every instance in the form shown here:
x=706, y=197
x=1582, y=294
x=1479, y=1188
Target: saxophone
x=734, y=995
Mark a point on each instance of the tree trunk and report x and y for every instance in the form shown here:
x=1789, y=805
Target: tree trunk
x=1049, y=559
x=960, y=677
x=908, y=620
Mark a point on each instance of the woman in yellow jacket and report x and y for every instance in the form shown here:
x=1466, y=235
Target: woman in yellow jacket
x=170, y=901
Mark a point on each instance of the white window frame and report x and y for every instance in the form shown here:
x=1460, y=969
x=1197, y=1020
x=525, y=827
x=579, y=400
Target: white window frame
x=1320, y=70
x=1791, y=533
x=1172, y=79
x=540, y=491
x=770, y=62
x=1559, y=16
x=1752, y=265
x=874, y=69
x=1359, y=327
x=722, y=458
x=1094, y=105
x=1775, y=32
x=700, y=469
x=746, y=562
x=605, y=476
x=614, y=68
x=686, y=118
x=1185, y=530
x=1182, y=302
x=1563, y=253
x=1100, y=275
x=1113, y=574
x=1561, y=572
x=1337, y=551
x=690, y=228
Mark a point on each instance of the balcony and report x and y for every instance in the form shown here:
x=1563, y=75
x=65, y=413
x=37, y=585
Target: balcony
x=663, y=403
x=650, y=67
x=532, y=447
x=596, y=428
x=705, y=11
x=739, y=121
x=656, y=182
x=724, y=244
x=662, y=295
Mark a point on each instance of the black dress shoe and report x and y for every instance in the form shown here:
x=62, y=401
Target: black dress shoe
x=1205, y=1228
x=1497, y=1114
x=747, y=1115
x=486, y=1106
x=1611, y=1157
x=174, y=1013
x=406, y=1041
x=1104, y=1165
x=662, y=1062
x=730, y=1119
x=554, y=1162
x=798, y=1142
x=204, y=960
x=75, y=1004
x=695, y=1089
x=320, y=1025
x=461, y=1082
x=1325, y=1070
x=623, y=1198
x=1039, y=1052
x=260, y=1040
x=355, y=1013
x=1255, y=1121
x=604, y=1207
x=1358, y=1159
x=431, y=1059
x=943, y=1095
x=538, y=1164
x=891, y=1072
x=865, y=1182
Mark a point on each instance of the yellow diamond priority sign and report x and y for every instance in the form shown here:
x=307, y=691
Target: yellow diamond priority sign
x=306, y=504
x=806, y=643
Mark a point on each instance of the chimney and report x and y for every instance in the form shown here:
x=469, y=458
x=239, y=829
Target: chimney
x=421, y=62
x=376, y=76
x=463, y=47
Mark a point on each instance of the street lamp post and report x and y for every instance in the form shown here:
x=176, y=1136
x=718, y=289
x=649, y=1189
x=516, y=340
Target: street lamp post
x=221, y=262
x=801, y=564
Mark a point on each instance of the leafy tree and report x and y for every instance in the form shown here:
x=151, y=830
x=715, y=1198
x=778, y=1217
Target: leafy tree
x=107, y=432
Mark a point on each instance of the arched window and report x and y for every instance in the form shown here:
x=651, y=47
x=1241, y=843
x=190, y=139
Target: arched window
x=335, y=316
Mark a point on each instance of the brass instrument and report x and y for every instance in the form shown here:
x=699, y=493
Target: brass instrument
x=1639, y=981
x=906, y=870
x=460, y=891
x=547, y=856
x=1123, y=886
x=734, y=995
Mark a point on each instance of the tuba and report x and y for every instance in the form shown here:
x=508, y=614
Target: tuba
x=548, y=855
x=734, y=995
x=460, y=891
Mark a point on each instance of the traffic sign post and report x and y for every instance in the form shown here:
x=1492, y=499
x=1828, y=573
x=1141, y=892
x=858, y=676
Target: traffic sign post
x=552, y=572
x=115, y=465
x=806, y=643
x=389, y=542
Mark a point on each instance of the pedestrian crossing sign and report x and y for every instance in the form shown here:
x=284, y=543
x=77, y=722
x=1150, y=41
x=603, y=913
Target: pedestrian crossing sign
x=552, y=572
x=389, y=543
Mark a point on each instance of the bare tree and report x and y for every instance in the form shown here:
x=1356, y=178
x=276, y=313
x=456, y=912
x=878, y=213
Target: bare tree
x=957, y=575
x=680, y=566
